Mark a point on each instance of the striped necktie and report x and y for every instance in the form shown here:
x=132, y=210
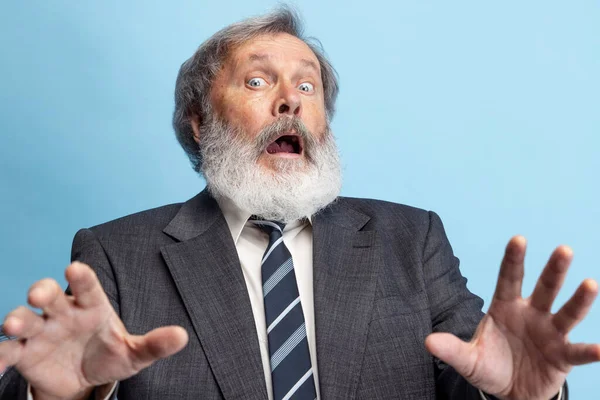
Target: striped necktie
x=291, y=370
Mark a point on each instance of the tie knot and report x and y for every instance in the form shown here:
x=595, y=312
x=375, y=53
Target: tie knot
x=270, y=227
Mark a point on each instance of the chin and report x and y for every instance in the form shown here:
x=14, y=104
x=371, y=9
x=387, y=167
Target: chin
x=283, y=164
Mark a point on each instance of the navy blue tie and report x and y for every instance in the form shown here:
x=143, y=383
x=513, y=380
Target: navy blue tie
x=291, y=370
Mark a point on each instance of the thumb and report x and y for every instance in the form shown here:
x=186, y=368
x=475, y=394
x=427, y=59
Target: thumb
x=156, y=344
x=460, y=355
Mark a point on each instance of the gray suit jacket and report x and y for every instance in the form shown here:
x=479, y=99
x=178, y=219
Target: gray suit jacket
x=384, y=278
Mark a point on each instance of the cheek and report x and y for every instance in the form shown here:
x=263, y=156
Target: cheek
x=248, y=115
x=315, y=119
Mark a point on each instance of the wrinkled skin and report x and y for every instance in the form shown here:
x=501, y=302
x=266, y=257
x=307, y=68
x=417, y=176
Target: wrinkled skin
x=520, y=349
x=81, y=336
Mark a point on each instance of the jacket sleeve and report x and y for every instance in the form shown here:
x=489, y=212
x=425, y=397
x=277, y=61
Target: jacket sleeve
x=13, y=386
x=454, y=308
x=88, y=250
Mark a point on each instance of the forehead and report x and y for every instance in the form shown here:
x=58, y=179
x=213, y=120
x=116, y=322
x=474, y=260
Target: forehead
x=274, y=48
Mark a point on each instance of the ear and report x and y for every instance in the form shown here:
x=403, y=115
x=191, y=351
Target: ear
x=195, y=122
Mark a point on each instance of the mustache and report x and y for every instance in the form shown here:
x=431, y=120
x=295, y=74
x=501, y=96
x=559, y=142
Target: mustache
x=285, y=126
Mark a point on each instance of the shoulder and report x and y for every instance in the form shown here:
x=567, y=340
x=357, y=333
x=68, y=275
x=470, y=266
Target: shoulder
x=157, y=224
x=125, y=236
x=386, y=214
x=395, y=221
x=154, y=219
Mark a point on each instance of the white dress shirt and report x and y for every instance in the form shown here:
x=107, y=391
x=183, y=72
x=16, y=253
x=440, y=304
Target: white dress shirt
x=251, y=243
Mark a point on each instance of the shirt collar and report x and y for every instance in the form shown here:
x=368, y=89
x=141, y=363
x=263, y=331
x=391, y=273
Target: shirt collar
x=237, y=217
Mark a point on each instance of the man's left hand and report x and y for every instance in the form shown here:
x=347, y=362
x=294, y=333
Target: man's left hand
x=520, y=349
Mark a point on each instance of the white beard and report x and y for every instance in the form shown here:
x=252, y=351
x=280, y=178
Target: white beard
x=295, y=189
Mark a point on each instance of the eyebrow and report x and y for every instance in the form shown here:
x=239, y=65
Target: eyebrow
x=309, y=64
x=254, y=57
x=258, y=57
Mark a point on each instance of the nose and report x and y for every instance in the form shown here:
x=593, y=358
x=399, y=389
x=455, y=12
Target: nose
x=288, y=102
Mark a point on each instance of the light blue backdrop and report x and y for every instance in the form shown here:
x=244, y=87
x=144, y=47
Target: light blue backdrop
x=487, y=113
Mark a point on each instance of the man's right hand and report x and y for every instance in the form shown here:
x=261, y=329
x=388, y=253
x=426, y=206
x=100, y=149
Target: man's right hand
x=79, y=342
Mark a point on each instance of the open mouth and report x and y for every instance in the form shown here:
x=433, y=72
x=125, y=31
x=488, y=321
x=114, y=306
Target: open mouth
x=286, y=145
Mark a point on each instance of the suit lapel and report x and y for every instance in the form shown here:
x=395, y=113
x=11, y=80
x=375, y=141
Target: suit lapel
x=207, y=272
x=346, y=264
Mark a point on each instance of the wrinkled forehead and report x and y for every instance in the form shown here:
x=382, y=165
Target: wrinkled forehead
x=272, y=49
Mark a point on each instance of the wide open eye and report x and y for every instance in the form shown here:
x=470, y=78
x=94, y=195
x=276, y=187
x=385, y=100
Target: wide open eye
x=256, y=82
x=306, y=87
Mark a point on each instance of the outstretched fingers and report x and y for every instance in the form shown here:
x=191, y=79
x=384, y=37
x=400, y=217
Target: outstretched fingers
x=512, y=269
x=49, y=296
x=583, y=353
x=156, y=344
x=10, y=353
x=84, y=285
x=577, y=307
x=23, y=323
x=551, y=279
x=450, y=349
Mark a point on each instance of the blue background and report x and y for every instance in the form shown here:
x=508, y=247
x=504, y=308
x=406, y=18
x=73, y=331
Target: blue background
x=486, y=113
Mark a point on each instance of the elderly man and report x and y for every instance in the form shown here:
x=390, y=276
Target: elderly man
x=267, y=285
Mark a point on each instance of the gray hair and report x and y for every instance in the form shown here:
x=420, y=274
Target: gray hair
x=194, y=81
